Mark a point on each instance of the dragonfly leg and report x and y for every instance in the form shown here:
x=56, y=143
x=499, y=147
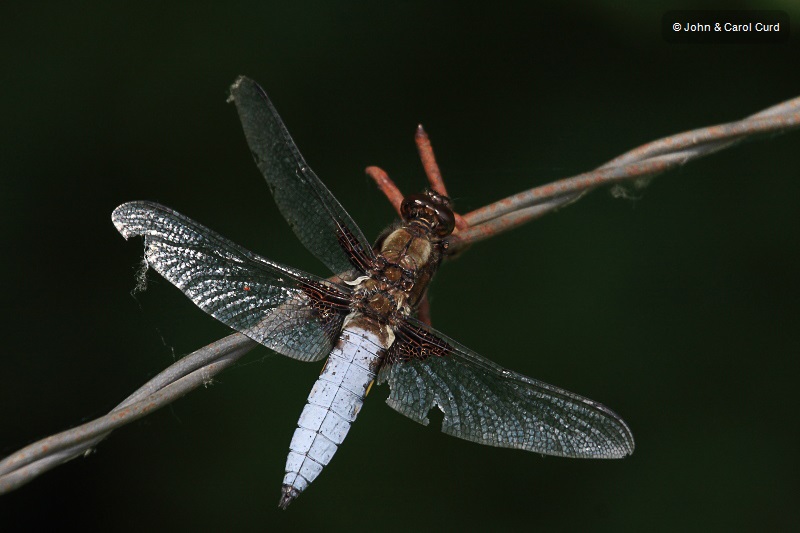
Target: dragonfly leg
x=424, y=310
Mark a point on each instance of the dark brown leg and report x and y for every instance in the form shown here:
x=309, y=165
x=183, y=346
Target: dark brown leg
x=424, y=310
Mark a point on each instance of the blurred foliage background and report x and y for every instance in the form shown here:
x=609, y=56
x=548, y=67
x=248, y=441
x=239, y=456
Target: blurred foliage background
x=678, y=309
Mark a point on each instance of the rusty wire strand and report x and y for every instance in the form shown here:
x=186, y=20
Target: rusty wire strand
x=187, y=374
x=645, y=161
x=199, y=367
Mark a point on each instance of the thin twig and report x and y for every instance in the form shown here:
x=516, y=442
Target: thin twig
x=201, y=366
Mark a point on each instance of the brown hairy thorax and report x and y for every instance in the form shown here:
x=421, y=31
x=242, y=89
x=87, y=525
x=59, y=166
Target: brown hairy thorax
x=407, y=257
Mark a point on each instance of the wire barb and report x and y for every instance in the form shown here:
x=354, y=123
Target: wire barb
x=429, y=163
x=387, y=186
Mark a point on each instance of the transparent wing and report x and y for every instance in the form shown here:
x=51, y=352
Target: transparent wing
x=317, y=218
x=485, y=403
x=289, y=311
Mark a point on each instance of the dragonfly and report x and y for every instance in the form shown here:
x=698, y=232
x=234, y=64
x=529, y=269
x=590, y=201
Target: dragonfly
x=364, y=319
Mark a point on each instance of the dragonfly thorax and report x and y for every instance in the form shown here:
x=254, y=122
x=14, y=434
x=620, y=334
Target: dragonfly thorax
x=407, y=260
x=409, y=250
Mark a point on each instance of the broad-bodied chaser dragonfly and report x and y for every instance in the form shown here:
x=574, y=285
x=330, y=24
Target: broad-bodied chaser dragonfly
x=363, y=319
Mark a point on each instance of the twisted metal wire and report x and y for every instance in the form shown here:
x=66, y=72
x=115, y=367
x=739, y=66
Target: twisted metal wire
x=640, y=163
x=201, y=366
x=187, y=374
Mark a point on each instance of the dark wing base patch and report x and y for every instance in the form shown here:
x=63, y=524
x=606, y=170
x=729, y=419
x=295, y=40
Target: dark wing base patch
x=314, y=214
x=485, y=403
x=296, y=314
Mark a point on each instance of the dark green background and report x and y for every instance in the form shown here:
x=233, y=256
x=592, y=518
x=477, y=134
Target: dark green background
x=679, y=310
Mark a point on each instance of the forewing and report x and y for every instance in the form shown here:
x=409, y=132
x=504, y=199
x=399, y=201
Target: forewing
x=289, y=311
x=317, y=218
x=485, y=403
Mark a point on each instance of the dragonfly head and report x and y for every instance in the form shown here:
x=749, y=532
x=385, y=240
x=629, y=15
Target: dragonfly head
x=431, y=210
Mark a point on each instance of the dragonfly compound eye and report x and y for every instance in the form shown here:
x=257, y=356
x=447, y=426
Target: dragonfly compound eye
x=431, y=210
